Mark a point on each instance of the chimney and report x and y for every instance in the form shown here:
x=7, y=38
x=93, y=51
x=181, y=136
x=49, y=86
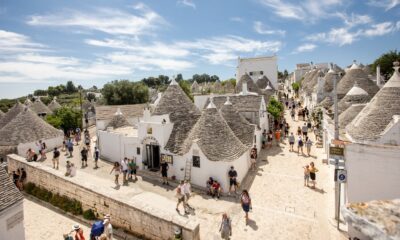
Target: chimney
x=146, y=114
x=244, y=88
x=378, y=75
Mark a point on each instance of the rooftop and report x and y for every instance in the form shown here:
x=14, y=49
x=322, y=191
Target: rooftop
x=9, y=193
x=130, y=111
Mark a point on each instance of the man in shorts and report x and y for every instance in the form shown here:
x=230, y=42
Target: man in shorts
x=124, y=166
x=232, y=180
x=56, y=156
x=164, y=172
x=96, y=157
x=304, y=130
x=84, y=155
x=291, y=141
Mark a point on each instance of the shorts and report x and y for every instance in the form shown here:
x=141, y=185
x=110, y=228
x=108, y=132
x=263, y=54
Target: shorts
x=55, y=159
x=246, y=207
x=291, y=143
x=181, y=199
x=305, y=134
x=125, y=171
x=232, y=182
x=84, y=159
x=164, y=173
x=306, y=177
x=312, y=176
x=133, y=171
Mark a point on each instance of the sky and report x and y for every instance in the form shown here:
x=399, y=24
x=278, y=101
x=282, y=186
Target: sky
x=45, y=43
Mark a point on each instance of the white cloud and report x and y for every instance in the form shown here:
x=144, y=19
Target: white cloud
x=260, y=29
x=354, y=19
x=386, y=4
x=285, y=9
x=338, y=36
x=111, y=21
x=15, y=42
x=381, y=29
x=188, y=3
x=307, y=47
x=237, y=19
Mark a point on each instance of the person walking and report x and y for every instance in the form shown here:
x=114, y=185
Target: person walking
x=187, y=191
x=96, y=157
x=304, y=130
x=84, y=157
x=232, y=174
x=245, y=201
x=43, y=151
x=56, y=156
x=117, y=171
x=164, y=172
x=263, y=139
x=309, y=143
x=300, y=144
x=70, y=146
x=291, y=142
x=181, y=198
x=132, y=169
x=108, y=229
x=124, y=167
x=299, y=131
x=78, y=232
x=306, y=175
x=269, y=139
x=293, y=113
x=287, y=127
x=226, y=227
x=278, y=137
x=313, y=177
x=253, y=159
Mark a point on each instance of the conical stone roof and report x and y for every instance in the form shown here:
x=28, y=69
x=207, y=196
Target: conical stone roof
x=251, y=86
x=238, y=124
x=118, y=120
x=28, y=102
x=310, y=81
x=40, y=108
x=27, y=127
x=263, y=82
x=329, y=81
x=11, y=114
x=349, y=114
x=354, y=96
x=54, y=105
x=215, y=138
x=372, y=121
x=1, y=114
x=327, y=102
x=182, y=113
x=353, y=75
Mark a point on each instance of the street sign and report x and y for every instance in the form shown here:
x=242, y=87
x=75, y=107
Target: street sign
x=336, y=151
x=342, y=176
x=333, y=162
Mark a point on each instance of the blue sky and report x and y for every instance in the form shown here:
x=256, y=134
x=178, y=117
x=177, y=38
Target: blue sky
x=91, y=42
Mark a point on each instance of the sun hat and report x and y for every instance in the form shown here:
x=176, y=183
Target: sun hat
x=75, y=227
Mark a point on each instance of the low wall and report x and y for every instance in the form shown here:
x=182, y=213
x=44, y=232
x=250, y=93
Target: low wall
x=133, y=215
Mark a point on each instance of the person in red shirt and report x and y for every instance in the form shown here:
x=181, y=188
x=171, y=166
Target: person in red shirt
x=216, y=189
x=278, y=136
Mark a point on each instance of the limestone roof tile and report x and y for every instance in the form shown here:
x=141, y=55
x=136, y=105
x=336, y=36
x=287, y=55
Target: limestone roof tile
x=9, y=193
x=54, y=105
x=118, y=120
x=353, y=75
x=355, y=96
x=349, y=114
x=40, y=108
x=12, y=112
x=129, y=111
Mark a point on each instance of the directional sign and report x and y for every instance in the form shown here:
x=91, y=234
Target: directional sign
x=340, y=162
x=342, y=176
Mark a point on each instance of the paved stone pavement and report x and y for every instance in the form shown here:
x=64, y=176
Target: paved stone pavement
x=282, y=207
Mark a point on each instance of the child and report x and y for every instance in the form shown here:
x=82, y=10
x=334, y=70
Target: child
x=306, y=175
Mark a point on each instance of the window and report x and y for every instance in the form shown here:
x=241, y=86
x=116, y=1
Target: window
x=251, y=73
x=138, y=151
x=196, y=161
x=262, y=72
x=149, y=130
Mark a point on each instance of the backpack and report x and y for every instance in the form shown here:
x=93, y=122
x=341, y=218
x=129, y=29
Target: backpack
x=97, y=229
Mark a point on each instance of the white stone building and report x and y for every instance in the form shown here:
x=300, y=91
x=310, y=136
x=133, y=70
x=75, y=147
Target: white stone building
x=11, y=209
x=258, y=67
x=132, y=112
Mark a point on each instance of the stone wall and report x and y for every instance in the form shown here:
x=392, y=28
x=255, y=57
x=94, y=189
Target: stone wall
x=130, y=214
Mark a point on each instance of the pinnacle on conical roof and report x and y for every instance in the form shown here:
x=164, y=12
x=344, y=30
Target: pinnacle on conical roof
x=211, y=104
x=215, y=138
x=54, y=105
x=242, y=129
x=27, y=127
x=12, y=112
x=182, y=113
x=356, y=90
x=173, y=81
x=354, y=65
x=228, y=102
x=118, y=120
x=371, y=123
x=28, y=102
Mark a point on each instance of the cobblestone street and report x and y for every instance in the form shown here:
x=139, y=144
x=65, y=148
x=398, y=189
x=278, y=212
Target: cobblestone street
x=282, y=207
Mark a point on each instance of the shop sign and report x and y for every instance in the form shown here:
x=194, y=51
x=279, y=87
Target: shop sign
x=167, y=158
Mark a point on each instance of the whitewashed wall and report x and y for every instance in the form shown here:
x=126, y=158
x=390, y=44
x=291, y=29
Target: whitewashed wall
x=116, y=146
x=14, y=216
x=373, y=172
x=50, y=143
x=266, y=64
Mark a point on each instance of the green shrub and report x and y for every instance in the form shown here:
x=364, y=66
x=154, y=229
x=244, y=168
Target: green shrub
x=89, y=214
x=29, y=187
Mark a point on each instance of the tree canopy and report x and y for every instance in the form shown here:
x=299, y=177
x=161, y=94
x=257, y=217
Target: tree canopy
x=275, y=108
x=385, y=61
x=65, y=118
x=125, y=92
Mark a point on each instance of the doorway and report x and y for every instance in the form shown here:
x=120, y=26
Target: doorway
x=153, y=157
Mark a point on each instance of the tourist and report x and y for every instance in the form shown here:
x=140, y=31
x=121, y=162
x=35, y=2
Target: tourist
x=299, y=131
x=132, y=169
x=313, y=177
x=304, y=130
x=306, y=175
x=293, y=113
x=108, y=229
x=43, y=151
x=87, y=142
x=164, y=172
x=39, y=147
x=96, y=157
x=300, y=144
x=309, y=125
x=124, y=167
x=77, y=136
x=309, y=143
x=15, y=176
x=187, y=191
x=287, y=127
x=278, y=137
x=29, y=155
x=117, y=170
x=65, y=147
x=225, y=227
x=253, y=159
x=291, y=142
x=263, y=139
x=73, y=170
x=209, y=183
x=22, y=179
x=70, y=146
x=269, y=139
x=56, y=156
x=84, y=157
x=303, y=113
x=78, y=232
x=181, y=198
x=232, y=174
x=245, y=201
x=216, y=189
x=68, y=169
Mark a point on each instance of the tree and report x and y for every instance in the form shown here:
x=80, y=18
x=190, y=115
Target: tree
x=296, y=86
x=385, y=61
x=125, y=92
x=186, y=87
x=91, y=97
x=40, y=92
x=65, y=118
x=179, y=77
x=275, y=108
x=70, y=87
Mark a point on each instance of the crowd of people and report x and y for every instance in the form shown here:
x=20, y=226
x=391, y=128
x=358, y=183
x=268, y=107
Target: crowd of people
x=19, y=178
x=100, y=230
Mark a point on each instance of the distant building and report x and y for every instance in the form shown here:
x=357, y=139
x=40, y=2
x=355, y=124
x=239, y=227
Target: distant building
x=258, y=67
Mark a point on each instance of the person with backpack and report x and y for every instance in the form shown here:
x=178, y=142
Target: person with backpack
x=56, y=156
x=300, y=146
x=96, y=230
x=245, y=201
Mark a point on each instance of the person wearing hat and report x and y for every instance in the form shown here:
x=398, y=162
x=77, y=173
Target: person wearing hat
x=78, y=232
x=108, y=229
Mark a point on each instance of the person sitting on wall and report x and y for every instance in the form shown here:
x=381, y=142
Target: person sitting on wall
x=209, y=183
x=216, y=189
x=29, y=155
x=68, y=167
x=21, y=180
